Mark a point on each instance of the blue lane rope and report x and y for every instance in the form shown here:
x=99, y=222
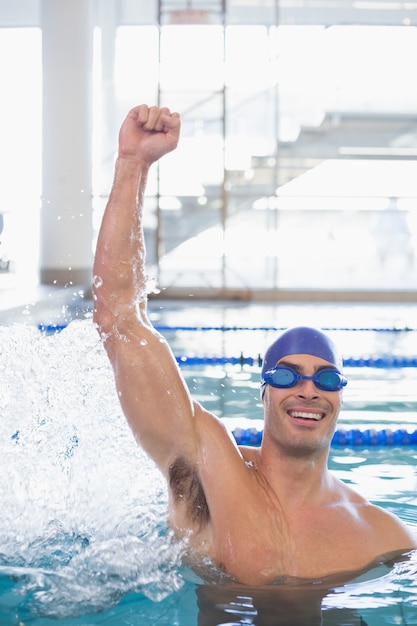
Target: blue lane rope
x=353, y=438
x=378, y=362
x=392, y=329
x=53, y=328
x=342, y=438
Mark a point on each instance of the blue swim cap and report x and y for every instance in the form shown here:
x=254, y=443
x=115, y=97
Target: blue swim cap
x=302, y=340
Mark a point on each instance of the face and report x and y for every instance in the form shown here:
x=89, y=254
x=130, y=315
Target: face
x=302, y=417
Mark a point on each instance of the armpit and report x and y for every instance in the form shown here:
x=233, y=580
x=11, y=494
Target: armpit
x=186, y=487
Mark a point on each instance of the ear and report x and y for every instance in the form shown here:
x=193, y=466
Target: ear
x=265, y=396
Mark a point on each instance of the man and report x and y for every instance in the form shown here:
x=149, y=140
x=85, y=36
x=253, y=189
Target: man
x=256, y=514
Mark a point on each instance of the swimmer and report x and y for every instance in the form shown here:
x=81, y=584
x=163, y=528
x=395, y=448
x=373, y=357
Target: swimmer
x=258, y=514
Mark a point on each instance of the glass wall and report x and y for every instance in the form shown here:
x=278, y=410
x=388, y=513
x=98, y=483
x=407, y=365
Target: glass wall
x=297, y=166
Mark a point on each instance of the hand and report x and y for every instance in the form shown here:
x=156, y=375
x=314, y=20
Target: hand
x=148, y=133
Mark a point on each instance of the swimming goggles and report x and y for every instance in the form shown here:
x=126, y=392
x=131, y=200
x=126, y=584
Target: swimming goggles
x=284, y=377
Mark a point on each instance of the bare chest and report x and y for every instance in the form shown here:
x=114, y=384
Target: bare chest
x=328, y=540
x=263, y=545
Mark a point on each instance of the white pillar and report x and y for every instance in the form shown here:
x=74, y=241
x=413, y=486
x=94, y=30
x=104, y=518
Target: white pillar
x=66, y=217
x=107, y=20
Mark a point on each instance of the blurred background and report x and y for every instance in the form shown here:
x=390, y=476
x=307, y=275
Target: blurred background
x=296, y=174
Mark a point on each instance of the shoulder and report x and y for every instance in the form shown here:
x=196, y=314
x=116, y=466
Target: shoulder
x=385, y=527
x=389, y=528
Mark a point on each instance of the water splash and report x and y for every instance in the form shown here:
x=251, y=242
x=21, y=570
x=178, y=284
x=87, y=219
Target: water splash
x=380, y=587
x=83, y=508
x=82, y=517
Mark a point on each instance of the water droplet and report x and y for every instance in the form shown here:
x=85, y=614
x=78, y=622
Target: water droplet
x=97, y=281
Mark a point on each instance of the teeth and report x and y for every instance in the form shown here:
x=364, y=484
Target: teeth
x=307, y=416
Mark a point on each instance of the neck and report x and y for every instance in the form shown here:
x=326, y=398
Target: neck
x=295, y=475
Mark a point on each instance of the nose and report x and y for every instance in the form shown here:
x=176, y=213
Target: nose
x=307, y=389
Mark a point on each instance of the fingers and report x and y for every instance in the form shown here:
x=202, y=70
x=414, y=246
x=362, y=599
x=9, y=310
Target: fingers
x=162, y=112
x=156, y=118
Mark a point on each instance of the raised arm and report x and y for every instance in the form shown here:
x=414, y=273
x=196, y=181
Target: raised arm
x=151, y=389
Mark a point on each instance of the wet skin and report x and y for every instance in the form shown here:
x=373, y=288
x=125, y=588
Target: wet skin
x=258, y=514
x=282, y=509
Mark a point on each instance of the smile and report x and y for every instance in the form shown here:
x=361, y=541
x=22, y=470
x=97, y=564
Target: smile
x=307, y=415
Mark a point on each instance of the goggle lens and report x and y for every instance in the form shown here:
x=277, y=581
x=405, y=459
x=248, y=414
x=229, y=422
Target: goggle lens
x=284, y=377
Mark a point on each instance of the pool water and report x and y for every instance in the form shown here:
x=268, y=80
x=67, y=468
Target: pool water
x=83, y=538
